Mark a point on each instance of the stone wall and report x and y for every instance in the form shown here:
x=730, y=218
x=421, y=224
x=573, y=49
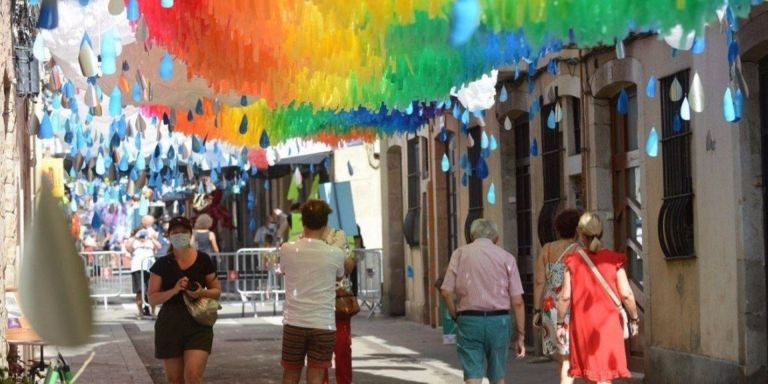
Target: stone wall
x=9, y=168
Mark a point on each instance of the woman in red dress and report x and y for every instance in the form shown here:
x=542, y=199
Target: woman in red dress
x=595, y=329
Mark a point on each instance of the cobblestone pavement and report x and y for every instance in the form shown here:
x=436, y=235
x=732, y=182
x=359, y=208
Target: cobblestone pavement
x=247, y=350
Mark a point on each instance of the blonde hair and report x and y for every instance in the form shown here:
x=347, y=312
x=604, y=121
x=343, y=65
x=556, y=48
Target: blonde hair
x=591, y=228
x=203, y=221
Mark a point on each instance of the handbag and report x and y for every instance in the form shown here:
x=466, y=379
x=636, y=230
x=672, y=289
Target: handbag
x=623, y=312
x=204, y=310
x=346, y=303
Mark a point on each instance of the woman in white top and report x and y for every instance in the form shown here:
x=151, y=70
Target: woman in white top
x=142, y=247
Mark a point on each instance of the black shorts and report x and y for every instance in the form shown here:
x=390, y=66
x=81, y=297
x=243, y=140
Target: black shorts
x=136, y=281
x=176, y=331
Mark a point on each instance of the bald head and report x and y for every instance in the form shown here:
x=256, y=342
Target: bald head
x=147, y=221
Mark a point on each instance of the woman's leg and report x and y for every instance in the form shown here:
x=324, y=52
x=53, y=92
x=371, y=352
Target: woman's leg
x=194, y=365
x=343, y=351
x=174, y=370
x=564, y=364
x=138, y=304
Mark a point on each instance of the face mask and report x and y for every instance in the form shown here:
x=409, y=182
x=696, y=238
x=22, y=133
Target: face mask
x=272, y=226
x=181, y=240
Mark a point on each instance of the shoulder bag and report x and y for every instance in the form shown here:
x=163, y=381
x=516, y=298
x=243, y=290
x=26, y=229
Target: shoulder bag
x=346, y=302
x=623, y=312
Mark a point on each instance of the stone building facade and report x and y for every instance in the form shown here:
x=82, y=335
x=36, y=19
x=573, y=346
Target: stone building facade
x=691, y=220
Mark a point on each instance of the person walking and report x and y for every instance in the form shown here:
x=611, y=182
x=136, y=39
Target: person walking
x=183, y=344
x=342, y=351
x=485, y=279
x=548, y=274
x=203, y=238
x=311, y=268
x=141, y=247
x=595, y=329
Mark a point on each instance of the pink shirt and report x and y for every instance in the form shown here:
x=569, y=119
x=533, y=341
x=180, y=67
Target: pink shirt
x=483, y=276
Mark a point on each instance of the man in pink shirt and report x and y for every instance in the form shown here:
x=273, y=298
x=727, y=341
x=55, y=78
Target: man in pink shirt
x=485, y=280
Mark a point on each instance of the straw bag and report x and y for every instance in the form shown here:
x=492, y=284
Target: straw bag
x=204, y=310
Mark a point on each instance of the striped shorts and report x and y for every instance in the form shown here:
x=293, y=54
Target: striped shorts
x=314, y=344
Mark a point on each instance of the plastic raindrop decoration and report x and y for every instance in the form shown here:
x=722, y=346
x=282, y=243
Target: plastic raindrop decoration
x=166, y=67
x=133, y=10
x=46, y=128
x=123, y=164
x=650, y=89
x=58, y=309
x=445, y=164
x=49, y=15
x=675, y=91
x=685, y=110
x=558, y=112
x=89, y=63
x=126, y=67
x=214, y=176
x=465, y=18
x=493, y=144
x=733, y=52
x=482, y=168
x=252, y=224
x=534, y=148
x=116, y=7
x=141, y=162
x=136, y=92
x=409, y=109
x=349, y=168
x=266, y=185
x=677, y=124
x=652, y=145
x=696, y=94
x=108, y=53
x=190, y=116
x=551, y=120
x=264, y=140
x=484, y=143
x=503, y=96
x=622, y=106
x=244, y=125
x=699, y=45
x=552, y=67
x=166, y=3
x=465, y=117
x=464, y=179
x=134, y=174
x=100, y=166
x=243, y=101
x=620, y=51
x=492, y=194
x=729, y=113
x=199, y=107
x=738, y=105
x=39, y=50
x=507, y=124
x=115, y=102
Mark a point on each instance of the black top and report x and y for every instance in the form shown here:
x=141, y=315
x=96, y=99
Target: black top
x=168, y=269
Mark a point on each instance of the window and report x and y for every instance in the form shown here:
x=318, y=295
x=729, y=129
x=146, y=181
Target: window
x=575, y=105
x=412, y=222
x=450, y=190
x=552, y=157
x=627, y=199
x=676, y=231
x=524, y=210
x=475, y=183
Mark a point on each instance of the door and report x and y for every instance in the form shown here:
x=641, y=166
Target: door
x=627, y=209
x=764, y=155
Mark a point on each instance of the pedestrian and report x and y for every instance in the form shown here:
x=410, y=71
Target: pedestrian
x=311, y=268
x=142, y=248
x=269, y=228
x=281, y=220
x=548, y=272
x=203, y=238
x=486, y=282
x=342, y=351
x=183, y=344
x=595, y=329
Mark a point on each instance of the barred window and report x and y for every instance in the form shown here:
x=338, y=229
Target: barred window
x=676, y=230
x=552, y=158
x=475, y=184
x=412, y=219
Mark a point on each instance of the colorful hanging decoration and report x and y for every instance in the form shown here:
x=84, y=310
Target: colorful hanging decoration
x=491, y=194
x=652, y=144
x=49, y=15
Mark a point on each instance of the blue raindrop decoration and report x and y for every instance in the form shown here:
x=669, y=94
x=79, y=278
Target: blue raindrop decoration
x=46, y=128
x=115, y=102
x=72, y=173
x=443, y=135
x=733, y=52
x=243, y=101
x=534, y=147
x=252, y=224
x=49, y=15
x=123, y=165
x=136, y=92
x=134, y=174
x=166, y=3
x=493, y=144
x=244, y=125
x=100, y=166
x=729, y=112
x=264, y=140
x=409, y=109
x=456, y=111
x=650, y=89
x=492, y=194
x=350, y=169
x=503, y=96
x=133, y=10
x=214, y=176
x=552, y=120
x=482, y=169
x=266, y=185
x=652, y=145
x=622, y=106
x=464, y=179
x=677, y=124
x=465, y=117
x=738, y=105
x=190, y=115
x=464, y=161
x=552, y=67
x=699, y=45
x=166, y=67
x=96, y=221
x=141, y=162
x=445, y=164
x=484, y=143
x=199, y=107
x=465, y=18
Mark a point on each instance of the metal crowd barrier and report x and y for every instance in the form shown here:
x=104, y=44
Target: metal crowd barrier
x=370, y=278
x=109, y=273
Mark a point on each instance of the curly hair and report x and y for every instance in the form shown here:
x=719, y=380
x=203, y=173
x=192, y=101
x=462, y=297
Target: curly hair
x=566, y=223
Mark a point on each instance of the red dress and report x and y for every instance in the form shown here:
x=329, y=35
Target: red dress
x=596, y=333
